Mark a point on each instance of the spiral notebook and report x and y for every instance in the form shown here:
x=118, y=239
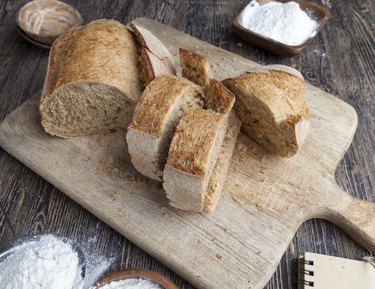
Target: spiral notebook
x=316, y=271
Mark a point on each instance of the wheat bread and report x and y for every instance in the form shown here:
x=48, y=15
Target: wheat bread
x=270, y=103
x=192, y=158
x=200, y=152
x=218, y=98
x=92, y=83
x=194, y=67
x=164, y=101
x=155, y=59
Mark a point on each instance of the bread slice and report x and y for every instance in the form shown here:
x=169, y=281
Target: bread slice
x=160, y=108
x=194, y=67
x=92, y=83
x=270, y=103
x=155, y=59
x=199, y=158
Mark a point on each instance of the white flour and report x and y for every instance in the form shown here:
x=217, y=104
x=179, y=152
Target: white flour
x=44, y=263
x=283, y=22
x=133, y=283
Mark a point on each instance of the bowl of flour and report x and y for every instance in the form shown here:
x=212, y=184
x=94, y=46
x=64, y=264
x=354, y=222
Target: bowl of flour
x=42, y=261
x=283, y=27
x=134, y=279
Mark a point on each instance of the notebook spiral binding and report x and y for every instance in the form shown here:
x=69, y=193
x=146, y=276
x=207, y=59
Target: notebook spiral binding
x=301, y=272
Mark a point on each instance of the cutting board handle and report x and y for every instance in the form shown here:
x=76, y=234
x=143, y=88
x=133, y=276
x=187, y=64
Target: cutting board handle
x=355, y=216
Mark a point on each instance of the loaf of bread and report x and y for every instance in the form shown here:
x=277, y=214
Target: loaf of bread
x=155, y=59
x=194, y=67
x=270, y=103
x=92, y=84
x=161, y=106
x=200, y=153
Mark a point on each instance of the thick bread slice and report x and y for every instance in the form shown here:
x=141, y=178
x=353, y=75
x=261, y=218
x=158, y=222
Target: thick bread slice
x=216, y=184
x=194, y=67
x=192, y=158
x=92, y=83
x=160, y=108
x=155, y=58
x=218, y=97
x=271, y=105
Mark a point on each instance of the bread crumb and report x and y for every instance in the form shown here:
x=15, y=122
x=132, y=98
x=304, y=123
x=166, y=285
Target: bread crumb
x=200, y=242
x=242, y=150
x=86, y=158
x=237, y=200
x=100, y=170
x=220, y=257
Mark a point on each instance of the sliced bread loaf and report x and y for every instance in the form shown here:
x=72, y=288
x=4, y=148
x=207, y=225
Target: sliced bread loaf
x=92, y=83
x=161, y=106
x=194, y=67
x=155, y=59
x=270, y=103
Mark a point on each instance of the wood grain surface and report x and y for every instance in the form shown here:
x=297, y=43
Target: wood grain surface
x=341, y=61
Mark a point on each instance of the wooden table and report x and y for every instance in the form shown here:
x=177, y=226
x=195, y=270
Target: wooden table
x=341, y=61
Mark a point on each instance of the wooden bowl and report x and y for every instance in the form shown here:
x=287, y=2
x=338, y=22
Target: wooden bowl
x=320, y=13
x=45, y=20
x=135, y=273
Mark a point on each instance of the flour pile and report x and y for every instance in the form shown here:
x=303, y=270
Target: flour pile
x=283, y=22
x=44, y=263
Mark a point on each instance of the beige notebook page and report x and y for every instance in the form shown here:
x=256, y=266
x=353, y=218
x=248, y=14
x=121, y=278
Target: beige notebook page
x=337, y=273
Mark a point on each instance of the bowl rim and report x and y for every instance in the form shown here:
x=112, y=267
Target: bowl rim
x=134, y=273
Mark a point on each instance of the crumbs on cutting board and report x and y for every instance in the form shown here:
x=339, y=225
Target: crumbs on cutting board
x=220, y=257
x=237, y=199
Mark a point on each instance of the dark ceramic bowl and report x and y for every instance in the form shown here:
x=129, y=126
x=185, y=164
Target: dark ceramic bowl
x=320, y=13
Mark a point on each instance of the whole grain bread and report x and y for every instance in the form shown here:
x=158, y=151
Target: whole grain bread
x=164, y=101
x=200, y=152
x=155, y=59
x=194, y=67
x=92, y=83
x=218, y=98
x=270, y=103
x=192, y=158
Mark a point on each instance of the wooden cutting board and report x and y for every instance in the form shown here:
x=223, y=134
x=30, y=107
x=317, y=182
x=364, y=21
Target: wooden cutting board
x=265, y=198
